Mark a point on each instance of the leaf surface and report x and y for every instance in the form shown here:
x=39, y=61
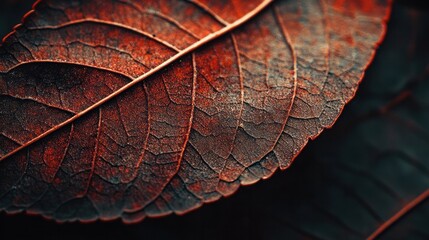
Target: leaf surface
x=368, y=177
x=131, y=109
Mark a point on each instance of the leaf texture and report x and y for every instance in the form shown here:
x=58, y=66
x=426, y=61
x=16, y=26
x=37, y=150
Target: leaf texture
x=132, y=109
x=368, y=177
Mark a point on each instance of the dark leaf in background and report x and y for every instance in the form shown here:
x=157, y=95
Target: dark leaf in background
x=343, y=186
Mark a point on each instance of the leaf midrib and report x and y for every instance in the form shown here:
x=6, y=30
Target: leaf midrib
x=210, y=37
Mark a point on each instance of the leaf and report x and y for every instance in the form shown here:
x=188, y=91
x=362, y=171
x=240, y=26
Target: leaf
x=124, y=109
x=368, y=177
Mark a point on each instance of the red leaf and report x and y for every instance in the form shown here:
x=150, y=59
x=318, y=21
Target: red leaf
x=131, y=109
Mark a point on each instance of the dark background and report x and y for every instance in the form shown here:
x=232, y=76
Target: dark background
x=245, y=215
